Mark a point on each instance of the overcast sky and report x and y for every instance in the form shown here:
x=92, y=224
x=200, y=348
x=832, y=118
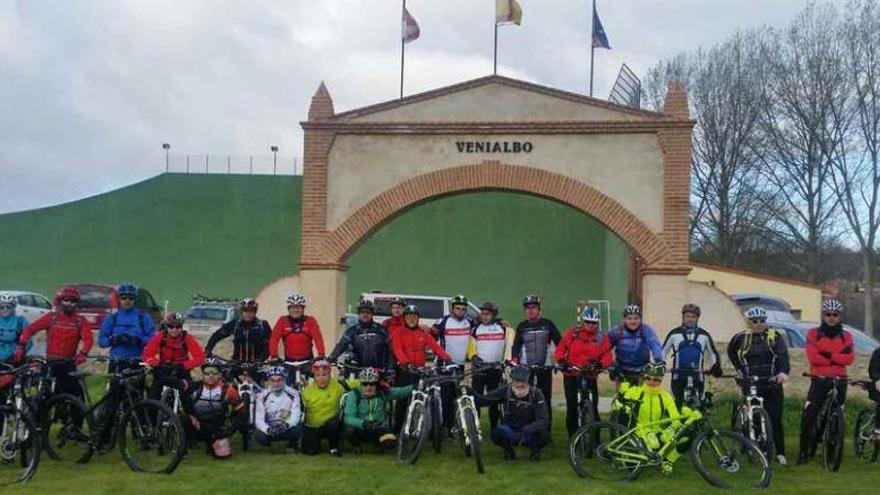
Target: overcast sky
x=90, y=89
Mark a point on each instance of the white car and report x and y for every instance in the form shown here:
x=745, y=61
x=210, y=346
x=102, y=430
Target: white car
x=30, y=304
x=204, y=318
x=431, y=308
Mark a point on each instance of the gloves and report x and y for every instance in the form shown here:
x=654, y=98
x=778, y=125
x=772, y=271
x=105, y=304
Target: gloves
x=80, y=358
x=563, y=363
x=716, y=370
x=18, y=355
x=273, y=359
x=369, y=426
x=276, y=430
x=825, y=354
x=781, y=378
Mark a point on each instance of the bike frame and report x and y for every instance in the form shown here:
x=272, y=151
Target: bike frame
x=657, y=457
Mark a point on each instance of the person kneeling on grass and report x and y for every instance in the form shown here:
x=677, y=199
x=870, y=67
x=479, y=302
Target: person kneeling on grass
x=655, y=404
x=209, y=404
x=366, y=412
x=321, y=399
x=525, y=421
x=278, y=414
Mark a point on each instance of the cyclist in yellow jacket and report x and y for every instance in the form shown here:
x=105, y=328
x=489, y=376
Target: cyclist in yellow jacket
x=322, y=403
x=654, y=403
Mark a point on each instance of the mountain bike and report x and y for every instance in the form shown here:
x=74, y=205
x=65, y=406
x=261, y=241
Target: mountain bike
x=19, y=437
x=424, y=416
x=866, y=443
x=751, y=419
x=245, y=377
x=830, y=427
x=586, y=412
x=609, y=451
x=150, y=436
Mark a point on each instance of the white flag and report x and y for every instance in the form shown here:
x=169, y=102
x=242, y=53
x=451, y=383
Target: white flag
x=409, y=28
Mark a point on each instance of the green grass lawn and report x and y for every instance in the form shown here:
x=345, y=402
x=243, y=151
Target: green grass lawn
x=263, y=471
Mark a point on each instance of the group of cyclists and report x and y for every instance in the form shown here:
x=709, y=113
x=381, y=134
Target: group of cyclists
x=300, y=403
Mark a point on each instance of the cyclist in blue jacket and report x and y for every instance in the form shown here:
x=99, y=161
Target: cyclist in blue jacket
x=11, y=326
x=635, y=344
x=126, y=331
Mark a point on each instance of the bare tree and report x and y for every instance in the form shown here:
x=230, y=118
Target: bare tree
x=806, y=82
x=856, y=156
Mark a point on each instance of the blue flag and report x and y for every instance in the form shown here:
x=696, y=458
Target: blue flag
x=599, y=38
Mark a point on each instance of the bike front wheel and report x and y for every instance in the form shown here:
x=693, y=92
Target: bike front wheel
x=728, y=459
x=67, y=429
x=414, y=434
x=863, y=446
x=436, y=425
x=471, y=435
x=832, y=439
x=19, y=446
x=604, y=451
x=757, y=428
x=151, y=438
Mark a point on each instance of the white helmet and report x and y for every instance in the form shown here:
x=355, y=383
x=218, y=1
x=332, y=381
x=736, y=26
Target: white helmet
x=832, y=305
x=8, y=300
x=755, y=313
x=296, y=300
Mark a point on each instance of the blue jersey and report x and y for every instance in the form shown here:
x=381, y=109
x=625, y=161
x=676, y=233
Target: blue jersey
x=633, y=350
x=10, y=330
x=131, y=322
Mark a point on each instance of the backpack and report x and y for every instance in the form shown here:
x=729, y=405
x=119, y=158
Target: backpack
x=643, y=342
x=689, y=353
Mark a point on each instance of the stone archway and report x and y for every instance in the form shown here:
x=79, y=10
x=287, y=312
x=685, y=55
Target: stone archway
x=627, y=168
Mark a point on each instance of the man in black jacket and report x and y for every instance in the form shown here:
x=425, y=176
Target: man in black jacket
x=692, y=350
x=367, y=341
x=250, y=335
x=525, y=421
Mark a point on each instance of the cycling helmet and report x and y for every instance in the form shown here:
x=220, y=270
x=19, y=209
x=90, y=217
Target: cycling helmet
x=173, y=320
x=490, y=307
x=8, y=300
x=208, y=364
x=690, y=308
x=368, y=375
x=590, y=313
x=632, y=309
x=520, y=374
x=756, y=313
x=531, y=299
x=397, y=301
x=654, y=369
x=411, y=309
x=458, y=300
x=321, y=365
x=296, y=300
x=277, y=371
x=68, y=294
x=832, y=305
x=127, y=290
x=368, y=305
x=249, y=304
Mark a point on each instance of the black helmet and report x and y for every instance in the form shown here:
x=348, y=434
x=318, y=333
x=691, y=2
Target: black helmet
x=690, y=308
x=398, y=301
x=520, y=373
x=368, y=305
x=531, y=299
x=458, y=300
x=410, y=309
x=490, y=307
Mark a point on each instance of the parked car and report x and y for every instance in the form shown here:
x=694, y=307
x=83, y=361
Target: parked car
x=796, y=335
x=431, y=308
x=99, y=300
x=204, y=317
x=777, y=309
x=30, y=304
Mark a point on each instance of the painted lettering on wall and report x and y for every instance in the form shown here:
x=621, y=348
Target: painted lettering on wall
x=494, y=146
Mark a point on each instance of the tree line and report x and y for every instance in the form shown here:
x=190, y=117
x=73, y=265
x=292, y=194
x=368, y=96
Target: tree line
x=786, y=147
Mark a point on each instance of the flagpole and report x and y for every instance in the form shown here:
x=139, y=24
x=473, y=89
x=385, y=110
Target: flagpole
x=495, y=66
x=402, y=48
x=592, y=44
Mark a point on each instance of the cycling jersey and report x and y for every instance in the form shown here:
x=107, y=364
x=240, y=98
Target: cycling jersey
x=133, y=323
x=392, y=324
x=211, y=403
x=532, y=340
x=299, y=336
x=64, y=332
x=454, y=335
x=323, y=404
x=761, y=354
x=359, y=409
x=528, y=414
x=829, y=350
x=487, y=341
x=278, y=407
x=692, y=349
x=250, y=339
x=11, y=328
x=183, y=350
x=409, y=347
x=582, y=347
x=368, y=343
x=634, y=349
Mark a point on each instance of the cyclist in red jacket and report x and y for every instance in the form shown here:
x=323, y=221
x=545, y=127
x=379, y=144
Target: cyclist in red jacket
x=65, y=330
x=172, y=353
x=584, y=347
x=298, y=332
x=395, y=322
x=409, y=349
x=829, y=350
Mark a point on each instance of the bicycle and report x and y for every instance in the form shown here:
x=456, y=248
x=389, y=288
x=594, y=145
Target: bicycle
x=751, y=419
x=586, y=412
x=150, y=436
x=424, y=416
x=19, y=437
x=467, y=420
x=866, y=443
x=830, y=427
x=608, y=451
x=244, y=376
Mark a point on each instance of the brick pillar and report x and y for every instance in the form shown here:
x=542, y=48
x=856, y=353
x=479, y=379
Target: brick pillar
x=316, y=146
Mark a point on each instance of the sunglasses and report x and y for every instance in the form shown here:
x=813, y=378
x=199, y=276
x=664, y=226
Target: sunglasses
x=370, y=384
x=126, y=298
x=5, y=307
x=835, y=314
x=211, y=372
x=174, y=327
x=757, y=320
x=653, y=379
x=276, y=379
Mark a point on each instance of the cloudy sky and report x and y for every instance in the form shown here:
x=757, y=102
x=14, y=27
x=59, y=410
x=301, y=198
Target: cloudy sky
x=90, y=89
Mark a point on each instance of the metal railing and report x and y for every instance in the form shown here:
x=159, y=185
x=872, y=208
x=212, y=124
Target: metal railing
x=265, y=164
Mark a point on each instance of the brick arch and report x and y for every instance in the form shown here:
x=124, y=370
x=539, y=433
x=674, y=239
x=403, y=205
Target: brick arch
x=341, y=243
